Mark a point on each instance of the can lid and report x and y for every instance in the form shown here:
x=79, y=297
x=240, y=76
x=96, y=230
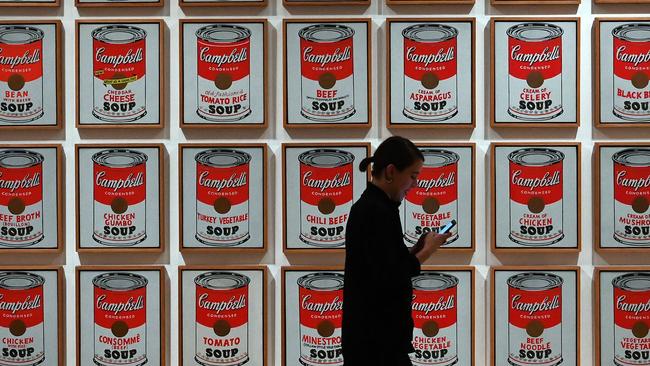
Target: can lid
x=222, y=158
x=223, y=33
x=633, y=157
x=20, y=34
x=534, y=32
x=326, y=158
x=535, y=281
x=633, y=32
x=438, y=158
x=326, y=33
x=119, y=34
x=635, y=281
x=221, y=280
x=119, y=158
x=322, y=281
x=536, y=156
x=430, y=32
x=434, y=281
x=120, y=281
x=20, y=158
x=20, y=280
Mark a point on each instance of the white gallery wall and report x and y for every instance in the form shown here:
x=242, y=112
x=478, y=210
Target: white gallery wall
x=171, y=135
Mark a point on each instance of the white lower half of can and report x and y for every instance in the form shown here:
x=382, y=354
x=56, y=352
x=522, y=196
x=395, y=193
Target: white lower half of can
x=630, y=350
x=418, y=222
x=316, y=350
x=631, y=228
x=24, y=229
x=111, y=350
x=227, y=229
x=25, y=350
x=630, y=103
x=536, y=229
x=24, y=105
x=125, y=105
x=430, y=105
x=440, y=350
x=213, y=350
x=328, y=105
x=545, y=350
x=228, y=105
x=323, y=230
x=535, y=104
x=126, y=229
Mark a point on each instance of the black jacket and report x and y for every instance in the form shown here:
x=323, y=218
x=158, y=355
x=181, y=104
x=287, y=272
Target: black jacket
x=377, y=290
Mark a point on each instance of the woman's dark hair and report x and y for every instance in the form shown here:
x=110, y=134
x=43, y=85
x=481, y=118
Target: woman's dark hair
x=395, y=150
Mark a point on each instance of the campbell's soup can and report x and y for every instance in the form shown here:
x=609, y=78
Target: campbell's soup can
x=535, y=319
x=325, y=196
x=535, y=71
x=430, y=69
x=435, y=314
x=120, y=319
x=21, y=198
x=21, y=319
x=120, y=191
x=631, y=319
x=221, y=319
x=434, y=202
x=536, y=191
x=21, y=73
x=119, y=70
x=223, y=78
x=631, y=71
x=222, y=197
x=321, y=312
x=631, y=196
x=327, y=68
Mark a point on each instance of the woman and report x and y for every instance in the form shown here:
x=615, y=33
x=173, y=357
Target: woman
x=377, y=323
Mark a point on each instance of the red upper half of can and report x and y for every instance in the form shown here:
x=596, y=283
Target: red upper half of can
x=25, y=60
x=25, y=184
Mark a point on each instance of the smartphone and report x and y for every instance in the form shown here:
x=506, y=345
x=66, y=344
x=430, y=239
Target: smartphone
x=448, y=226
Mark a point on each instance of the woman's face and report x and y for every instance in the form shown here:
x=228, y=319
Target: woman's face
x=406, y=179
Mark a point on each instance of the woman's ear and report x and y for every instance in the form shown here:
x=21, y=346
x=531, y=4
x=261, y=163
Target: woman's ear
x=389, y=172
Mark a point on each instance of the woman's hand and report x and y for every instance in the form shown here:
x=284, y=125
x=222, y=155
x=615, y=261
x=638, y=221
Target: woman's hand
x=428, y=244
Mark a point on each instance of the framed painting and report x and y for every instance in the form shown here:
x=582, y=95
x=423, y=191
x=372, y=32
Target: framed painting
x=31, y=199
x=31, y=76
x=218, y=86
x=325, y=2
x=445, y=192
x=119, y=197
x=622, y=97
x=621, y=197
x=429, y=2
x=223, y=197
x=120, y=315
x=222, y=3
x=430, y=76
x=311, y=335
x=333, y=86
x=622, y=316
x=443, y=316
x=32, y=320
x=538, y=86
x=535, y=315
x=223, y=315
x=121, y=61
x=30, y=3
x=117, y=3
x=535, y=197
x=320, y=183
